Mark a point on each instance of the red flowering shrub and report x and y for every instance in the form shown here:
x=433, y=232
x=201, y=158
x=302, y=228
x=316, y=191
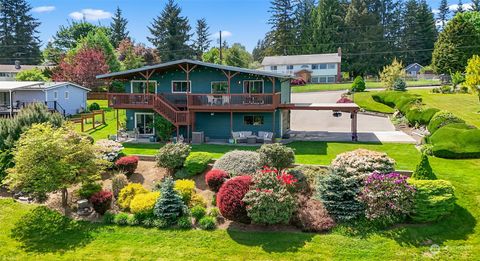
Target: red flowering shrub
x=101, y=201
x=127, y=164
x=229, y=198
x=215, y=178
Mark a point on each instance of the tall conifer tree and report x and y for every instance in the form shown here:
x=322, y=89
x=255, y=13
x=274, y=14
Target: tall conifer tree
x=328, y=26
x=118, y=28
x=283, y=22
x=202, y=40
x=304, y=20
x=171, y=34
x=443, y=12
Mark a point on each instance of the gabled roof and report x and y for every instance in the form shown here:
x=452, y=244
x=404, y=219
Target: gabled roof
x=302, y=59
x=33, y=86
x=12, y=68
x=413, y=64
x=211, y=65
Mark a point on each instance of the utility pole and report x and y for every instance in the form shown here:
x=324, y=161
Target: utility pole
x=221, y=56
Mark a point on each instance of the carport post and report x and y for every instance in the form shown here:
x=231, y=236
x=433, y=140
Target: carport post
x=353, y=117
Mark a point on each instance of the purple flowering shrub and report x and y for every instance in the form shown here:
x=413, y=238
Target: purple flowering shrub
x=388, y=198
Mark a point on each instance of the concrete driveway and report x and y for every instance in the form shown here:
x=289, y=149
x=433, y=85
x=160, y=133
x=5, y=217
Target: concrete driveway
x=322, y=125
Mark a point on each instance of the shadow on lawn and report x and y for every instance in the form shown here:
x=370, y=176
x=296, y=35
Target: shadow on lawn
x=271, y=241
x=44, y=231
x=456, y=226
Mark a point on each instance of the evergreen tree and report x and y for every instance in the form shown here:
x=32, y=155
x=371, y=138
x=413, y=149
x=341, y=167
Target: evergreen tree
x=443, y=12
x=304, y=18
x=419, y=33
x=99, y=40
x=283, y=22
x=171, y=33
x=118, y=28
x=459, y=7
x=423, y=170
x=328, y=22
x=18, y=33
x=476, y=5
x=202, y=41
x=169, y=205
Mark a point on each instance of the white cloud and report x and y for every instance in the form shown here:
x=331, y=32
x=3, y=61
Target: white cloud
x=91, y=14
x=435, y=11
x=454, y=7
x=225, y=34
x=43, y=9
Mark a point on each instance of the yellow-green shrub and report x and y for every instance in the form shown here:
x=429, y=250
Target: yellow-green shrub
x=144, y=203
x=197, y=200
x=128, y=193
x=186, y=188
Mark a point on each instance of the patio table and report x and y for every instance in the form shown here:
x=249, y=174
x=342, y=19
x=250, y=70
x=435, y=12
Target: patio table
x=251, y=139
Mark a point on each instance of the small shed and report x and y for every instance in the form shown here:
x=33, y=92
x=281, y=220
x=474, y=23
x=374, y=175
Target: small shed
x=413, y=69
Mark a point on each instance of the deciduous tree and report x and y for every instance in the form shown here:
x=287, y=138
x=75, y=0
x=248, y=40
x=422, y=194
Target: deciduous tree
x=34, y=74
x=472, y=76
x=98, y=39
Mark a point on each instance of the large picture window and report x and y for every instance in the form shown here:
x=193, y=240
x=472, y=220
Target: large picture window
x=140, y=86
x=219, y=87
x=331, y=66
x=180, y=86
x=253, y=86
x=253, y=120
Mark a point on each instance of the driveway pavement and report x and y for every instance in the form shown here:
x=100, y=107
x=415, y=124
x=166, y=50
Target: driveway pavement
x=322, y=125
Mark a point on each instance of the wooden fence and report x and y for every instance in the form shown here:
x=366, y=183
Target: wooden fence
x=87, y=116
x=97, y=96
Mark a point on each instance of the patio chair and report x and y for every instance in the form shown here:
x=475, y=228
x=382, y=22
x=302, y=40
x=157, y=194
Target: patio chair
x=210, y=99
x=265, y=137
x=241, y=136
x=225, y=99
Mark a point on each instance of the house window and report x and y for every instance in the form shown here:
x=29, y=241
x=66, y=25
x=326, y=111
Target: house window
x=253, y=86
x=289, y=67
x=55, y=95
x=140, y=86
x=253, y=120
x=305, y=66
x=314, y=66
x=66, y=95
x=3, y=74
x=322, y=66
x=219, y=87
x=180, y=86
x=331, y=66
x=273, y=68
x=331, y=79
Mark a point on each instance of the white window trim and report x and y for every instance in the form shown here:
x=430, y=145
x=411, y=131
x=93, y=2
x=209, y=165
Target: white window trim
x=55, y=95
x=66, y=95
x=263, y=84
x=144, y=113
x=211, y=85
x=145, y=81
x=190, y=83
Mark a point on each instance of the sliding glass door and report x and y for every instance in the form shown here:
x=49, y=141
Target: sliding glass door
x=144, y=123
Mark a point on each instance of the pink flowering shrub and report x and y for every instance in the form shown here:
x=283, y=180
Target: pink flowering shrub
x=388, y=198
x=268, y=200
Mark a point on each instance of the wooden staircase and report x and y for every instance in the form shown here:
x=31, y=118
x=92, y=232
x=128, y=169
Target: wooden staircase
x=163, y=107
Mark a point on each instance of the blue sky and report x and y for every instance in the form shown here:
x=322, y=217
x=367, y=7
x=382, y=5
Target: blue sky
x=243, y=21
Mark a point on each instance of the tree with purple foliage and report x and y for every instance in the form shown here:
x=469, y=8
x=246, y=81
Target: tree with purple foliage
x=388, y=198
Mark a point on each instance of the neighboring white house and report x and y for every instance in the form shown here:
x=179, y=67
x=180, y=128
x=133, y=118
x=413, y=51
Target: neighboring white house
x=9, y=71
x=314, y=68
x=65, y=97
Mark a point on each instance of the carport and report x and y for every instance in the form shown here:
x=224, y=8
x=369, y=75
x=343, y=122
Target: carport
x=351, y=108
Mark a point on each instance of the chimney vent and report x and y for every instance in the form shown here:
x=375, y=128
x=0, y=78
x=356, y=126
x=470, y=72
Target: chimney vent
x=339, y=51
x=17, y=65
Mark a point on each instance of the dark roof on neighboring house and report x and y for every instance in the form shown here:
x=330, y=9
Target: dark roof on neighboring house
x=11, y=67
x=184, y=61
x=411, y=65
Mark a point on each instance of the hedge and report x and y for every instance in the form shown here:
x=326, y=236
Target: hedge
x=456, y=141
x=441, y=119
x=421, y=115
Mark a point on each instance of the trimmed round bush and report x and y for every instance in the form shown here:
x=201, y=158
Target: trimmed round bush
x=239, y=162
x=441, y=119
x=197, y=200
x=361, y=163
x=424, y=171
x=101, y=201
x=311, y=216
x=88, y=189
x=184, y=222
x=456, y=143
x=229, y=199
x=186, y=189
x=198, y=212
x=128, y=193
x=172, y=156
x=358, y=84
x=128, y=164
x=276, y=155
x=144, y=202
x=119, y=181
x=207, y=223
x=399, y=85
x=307, y=177
x=121, y=219
x=215, y=178
x=197, y=162
x=94, y=106
x=433, y=200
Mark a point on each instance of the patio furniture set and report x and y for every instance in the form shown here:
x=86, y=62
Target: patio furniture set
x=250, y=138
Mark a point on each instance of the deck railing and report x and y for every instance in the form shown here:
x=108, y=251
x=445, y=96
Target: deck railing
x=130, y=100
x=235, y=100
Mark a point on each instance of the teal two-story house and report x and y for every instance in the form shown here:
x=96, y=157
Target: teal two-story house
x=203, y=97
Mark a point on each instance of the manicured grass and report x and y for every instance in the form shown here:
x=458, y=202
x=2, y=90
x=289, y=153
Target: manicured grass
x=103, y=131
x=345, y=86
x=457, y=235
x=465, y=106
x=306, y=152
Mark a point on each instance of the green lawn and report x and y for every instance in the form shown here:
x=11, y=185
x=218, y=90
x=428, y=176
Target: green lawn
x=306, y=152
x=457, y=235
x=344, y=86
x=102, y=132
x=466, y=106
